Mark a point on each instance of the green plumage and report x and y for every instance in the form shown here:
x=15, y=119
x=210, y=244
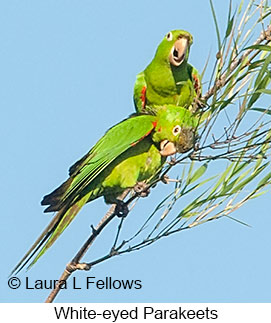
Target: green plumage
x=169, y=78
x=130, y=152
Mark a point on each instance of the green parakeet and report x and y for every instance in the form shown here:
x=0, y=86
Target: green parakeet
x=132, y=151
x=169, y=78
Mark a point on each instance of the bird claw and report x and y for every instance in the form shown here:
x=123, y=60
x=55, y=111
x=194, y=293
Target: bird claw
x=172, y=161
x=121, y=209
x=198, y=104
x=165, y=179
x=142, y=189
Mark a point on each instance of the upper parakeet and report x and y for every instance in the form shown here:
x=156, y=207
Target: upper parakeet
x=169, y=78
x=132, y=151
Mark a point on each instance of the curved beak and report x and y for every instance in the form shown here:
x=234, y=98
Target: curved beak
x=167, y=148
x=178, y=51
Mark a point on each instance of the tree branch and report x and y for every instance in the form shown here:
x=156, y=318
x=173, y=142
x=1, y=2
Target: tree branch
x=74, y=264
x=224, y=78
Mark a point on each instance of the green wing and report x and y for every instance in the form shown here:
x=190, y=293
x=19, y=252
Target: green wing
x=140, y=92
x=116, y=140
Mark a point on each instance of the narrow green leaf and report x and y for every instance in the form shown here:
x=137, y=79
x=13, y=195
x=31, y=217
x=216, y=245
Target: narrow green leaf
x=267, y=111
x=263, y=70
x=240, y=7
x=258, y=194
x=243, y=175
x=239, y=187
x=264, y=181
x=227, y=102
x=196, y=203
x=267, y=144
x=239, y=221
x=255, y=64
x=227, y=188
x=189, y=174
x=265, y=91
x=249, y=179
x=260, y=169
x=229, y=27
x=253, y=136
x=198, y=173
x=260, y=47
x=190, y=214
x=261, y=85
x=221, y=179
x=184, y=192
x=216, y=25
x=264, y=16
x=258, y=163
x=237, y=169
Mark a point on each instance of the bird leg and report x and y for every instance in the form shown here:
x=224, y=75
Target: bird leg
x=197, y=104
x=142, y=189
x=172, y=161
x=121, y=209
x=166, y=180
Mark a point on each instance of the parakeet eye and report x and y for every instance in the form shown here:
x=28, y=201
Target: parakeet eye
x=176, y=130
x=169, y=36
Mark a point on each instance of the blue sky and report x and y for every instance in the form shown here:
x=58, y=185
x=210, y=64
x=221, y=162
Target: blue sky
x=67, y=75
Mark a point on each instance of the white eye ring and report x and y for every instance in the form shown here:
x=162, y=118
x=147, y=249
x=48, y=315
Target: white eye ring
x=169, y=36
x=176, y=130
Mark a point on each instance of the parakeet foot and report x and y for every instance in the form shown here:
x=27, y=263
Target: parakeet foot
x=121, y=209
x=172, y=161
x=142, y=189
x=166, y=180
x=199, y=104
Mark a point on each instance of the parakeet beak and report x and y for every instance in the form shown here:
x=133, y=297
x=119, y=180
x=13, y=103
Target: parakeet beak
x=178, y=51
x=167, y=148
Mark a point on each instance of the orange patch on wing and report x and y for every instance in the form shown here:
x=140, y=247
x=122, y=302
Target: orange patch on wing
x=154, y=123
x=196, y=83
x=143, y=96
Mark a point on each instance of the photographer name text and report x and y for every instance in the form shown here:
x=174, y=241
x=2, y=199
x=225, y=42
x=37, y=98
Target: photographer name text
x=106, y=283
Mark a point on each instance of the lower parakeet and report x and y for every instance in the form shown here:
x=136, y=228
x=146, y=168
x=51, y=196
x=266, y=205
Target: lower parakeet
x=132, y=151
x=169, y=78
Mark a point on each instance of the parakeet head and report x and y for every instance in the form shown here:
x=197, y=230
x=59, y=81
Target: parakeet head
x=174, y=130
x=174, y=48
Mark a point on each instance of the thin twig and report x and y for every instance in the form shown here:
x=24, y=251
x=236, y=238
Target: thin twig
x=265, y=35
x=74, y=264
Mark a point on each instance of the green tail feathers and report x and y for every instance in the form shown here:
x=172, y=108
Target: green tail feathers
x=59, y=223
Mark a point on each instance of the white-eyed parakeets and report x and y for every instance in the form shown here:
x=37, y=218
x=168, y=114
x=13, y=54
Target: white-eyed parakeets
x=169, y=78
x=132, y=151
